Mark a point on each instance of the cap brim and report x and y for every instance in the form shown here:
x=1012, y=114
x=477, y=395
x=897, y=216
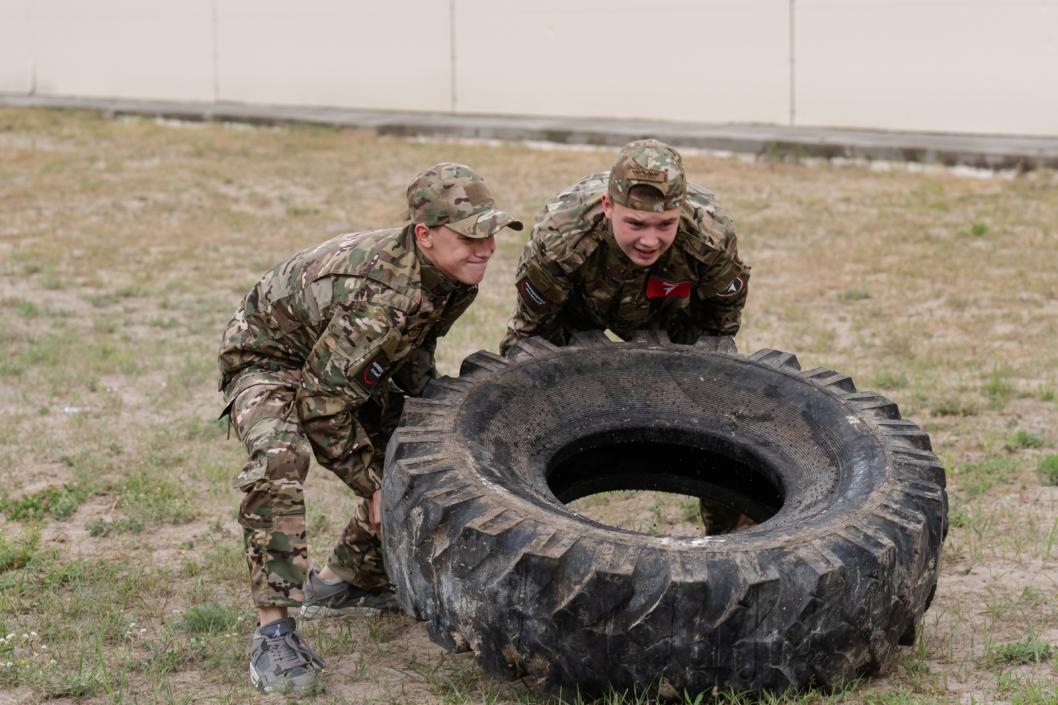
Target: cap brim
x=487, y=222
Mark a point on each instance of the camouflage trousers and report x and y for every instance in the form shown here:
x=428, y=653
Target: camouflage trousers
x=272, y=512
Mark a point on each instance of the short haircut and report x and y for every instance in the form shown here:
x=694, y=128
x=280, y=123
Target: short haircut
x=647, y=195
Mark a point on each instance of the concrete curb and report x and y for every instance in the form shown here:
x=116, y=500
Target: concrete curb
x=978, y=151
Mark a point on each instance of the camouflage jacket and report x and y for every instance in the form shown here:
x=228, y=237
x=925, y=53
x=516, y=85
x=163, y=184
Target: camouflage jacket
x=572, y=275
x=355, y=316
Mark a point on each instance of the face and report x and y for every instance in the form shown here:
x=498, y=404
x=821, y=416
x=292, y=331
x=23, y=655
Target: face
x=642, y=235
x=460, y=257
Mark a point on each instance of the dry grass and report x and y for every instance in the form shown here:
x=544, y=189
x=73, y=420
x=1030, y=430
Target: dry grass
x=125, y=246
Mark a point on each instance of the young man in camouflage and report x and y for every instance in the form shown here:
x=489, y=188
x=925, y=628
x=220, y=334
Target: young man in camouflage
x=632, y=249
x=635, y=248
x=317, y=360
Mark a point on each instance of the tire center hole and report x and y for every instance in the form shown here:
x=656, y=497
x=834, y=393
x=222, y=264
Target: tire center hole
x=665, y=481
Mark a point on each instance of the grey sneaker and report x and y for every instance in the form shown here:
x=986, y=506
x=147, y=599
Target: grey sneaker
x=280, y=662
x=323, y=599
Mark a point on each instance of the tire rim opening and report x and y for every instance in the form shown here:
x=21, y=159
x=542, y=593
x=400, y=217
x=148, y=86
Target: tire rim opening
x=727, y=485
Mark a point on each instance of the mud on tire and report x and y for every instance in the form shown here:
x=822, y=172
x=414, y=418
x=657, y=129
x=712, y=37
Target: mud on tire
x=849, y=500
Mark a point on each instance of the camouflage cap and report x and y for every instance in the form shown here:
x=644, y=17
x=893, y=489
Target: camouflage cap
x=648, y=163
x=455, y=196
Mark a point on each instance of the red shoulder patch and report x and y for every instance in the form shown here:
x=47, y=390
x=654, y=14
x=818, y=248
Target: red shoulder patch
x=663, y=289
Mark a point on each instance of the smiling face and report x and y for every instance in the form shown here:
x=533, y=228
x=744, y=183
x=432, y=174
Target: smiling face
x=459, y=257
x=642, y=235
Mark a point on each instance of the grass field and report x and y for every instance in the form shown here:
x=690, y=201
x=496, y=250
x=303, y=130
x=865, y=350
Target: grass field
x=126, y=244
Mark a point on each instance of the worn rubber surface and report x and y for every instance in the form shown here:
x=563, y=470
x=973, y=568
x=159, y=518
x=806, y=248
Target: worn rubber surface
x=849, y=498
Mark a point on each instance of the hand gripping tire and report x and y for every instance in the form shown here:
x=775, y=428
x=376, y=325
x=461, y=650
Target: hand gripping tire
x=849, y=500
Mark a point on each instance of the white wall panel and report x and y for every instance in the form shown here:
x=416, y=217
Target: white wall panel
x=986, y=66
x=16, y=69
x=123, y=48
x=360, y=53
x=715, y=61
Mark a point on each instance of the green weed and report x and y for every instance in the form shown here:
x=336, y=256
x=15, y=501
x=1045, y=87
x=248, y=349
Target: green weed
x=205, y=429
x=690, y=509
x=1024, y=439
x=850, y=295
x=978, y=228
x=27, y=309
x=998, y=389
x=9, y=368
x=1047, y=467
x=58, y=502
x=890, y=380
x=207, y=618
x=100, y=526
x=977, y=478
x=954, y=404
x=149, y=500
x=17, y=552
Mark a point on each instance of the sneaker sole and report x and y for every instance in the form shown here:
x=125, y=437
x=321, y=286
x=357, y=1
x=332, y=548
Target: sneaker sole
x=319, y=612
x=287, y=689
x=255, y=679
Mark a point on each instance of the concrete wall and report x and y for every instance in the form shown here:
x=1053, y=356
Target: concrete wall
x=388, y=55
x=715, y=61
x=120, y=48
x=939, y=65
x=986, y=66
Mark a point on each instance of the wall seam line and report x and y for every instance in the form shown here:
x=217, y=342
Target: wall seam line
x=793, y=63
x=32, y=49
x=452, y=56
x=216, y=52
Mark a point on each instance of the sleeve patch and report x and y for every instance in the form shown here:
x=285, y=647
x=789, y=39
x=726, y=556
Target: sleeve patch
x=733, y=288
x=369, y=377
x=529, y=293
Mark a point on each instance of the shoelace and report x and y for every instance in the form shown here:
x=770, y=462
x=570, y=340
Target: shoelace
x=291, y=652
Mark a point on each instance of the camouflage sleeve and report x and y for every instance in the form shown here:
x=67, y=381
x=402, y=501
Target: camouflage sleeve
x=720, y=313
x=420, y=368
x=345, y=367
x=723, y=287
x=543, y=288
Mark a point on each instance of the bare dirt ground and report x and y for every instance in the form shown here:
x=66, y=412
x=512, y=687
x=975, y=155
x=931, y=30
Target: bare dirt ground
x=125, y=246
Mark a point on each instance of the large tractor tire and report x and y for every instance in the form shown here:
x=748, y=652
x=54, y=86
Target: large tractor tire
x=848, y=500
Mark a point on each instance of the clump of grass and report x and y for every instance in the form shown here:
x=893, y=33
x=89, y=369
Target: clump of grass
x=690, y=509
x=998, y=389
x=108, y=527
x=977, y=478
x=10, y=369
x=301, y=211
x=17, y=553
x=1047, y=467
x=959, y=518
x=58, y=502
x=199, y=428
x=890, y=380
x=1021, y=439
x=853, y=294
x=954, y=404
x=154, y=500
x=1031, y=649
x=978, y=228
x=27, y=309
x=207, y=618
